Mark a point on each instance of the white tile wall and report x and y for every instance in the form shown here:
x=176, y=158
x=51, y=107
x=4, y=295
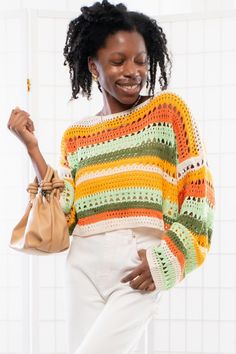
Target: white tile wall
x=206, y=54
x=177, y=298
x=194, y=336
x=12, y=179
x=161, y=336
x=227, y=338
x=210, y=337
x=150, y=7
x=195, y=36
x=199, y=315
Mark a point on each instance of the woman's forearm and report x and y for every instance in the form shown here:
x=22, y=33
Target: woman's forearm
x=39, y=164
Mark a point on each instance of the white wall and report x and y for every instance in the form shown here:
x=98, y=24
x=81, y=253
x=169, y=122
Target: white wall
x=199, y=315
x=151, y=7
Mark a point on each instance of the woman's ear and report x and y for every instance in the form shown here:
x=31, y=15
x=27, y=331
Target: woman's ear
x=92, y=66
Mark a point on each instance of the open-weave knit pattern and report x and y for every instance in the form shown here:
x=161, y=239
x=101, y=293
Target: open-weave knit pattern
x=142, y=167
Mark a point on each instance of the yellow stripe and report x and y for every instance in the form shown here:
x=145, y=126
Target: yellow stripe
x=151, y=160
x=121, y=180
x=192, y=176
x=200, y=256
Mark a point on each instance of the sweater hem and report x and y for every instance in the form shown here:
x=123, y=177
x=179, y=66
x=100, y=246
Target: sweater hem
x=117, y=224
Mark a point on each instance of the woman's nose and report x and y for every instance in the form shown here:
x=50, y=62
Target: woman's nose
x=130, y=69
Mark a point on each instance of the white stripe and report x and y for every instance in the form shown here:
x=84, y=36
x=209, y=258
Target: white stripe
x=64, y=172
x=182, y=167
x=118, y=223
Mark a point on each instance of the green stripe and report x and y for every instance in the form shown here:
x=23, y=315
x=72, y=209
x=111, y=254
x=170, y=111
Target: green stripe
x=67, y=196
x=151, y=133
x=177, y=241
x=168, y=220
x=198, y=207
x=186, y=238
x=118, y=206
x=155, y=149
x=165, y=266
x=196, y=226
x=210, y=218
x=159, y=142
x=170, y=209
x=71, y=228
x=210, y=232
x=124, y=195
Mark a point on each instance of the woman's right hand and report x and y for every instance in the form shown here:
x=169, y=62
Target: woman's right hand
x=22, y=126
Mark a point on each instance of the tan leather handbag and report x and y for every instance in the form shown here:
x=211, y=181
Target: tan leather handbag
x=43, y=228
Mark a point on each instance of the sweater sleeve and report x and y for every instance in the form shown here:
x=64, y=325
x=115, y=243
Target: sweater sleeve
x=68, y=194
x=186, y=242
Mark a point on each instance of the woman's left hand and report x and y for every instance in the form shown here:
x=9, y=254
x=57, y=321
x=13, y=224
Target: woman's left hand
x=144, y=280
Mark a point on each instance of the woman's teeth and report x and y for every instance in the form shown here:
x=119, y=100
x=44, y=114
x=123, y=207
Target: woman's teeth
x=129, y=86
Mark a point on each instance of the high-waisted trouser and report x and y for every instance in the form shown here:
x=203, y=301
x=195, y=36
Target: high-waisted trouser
x=103, y=315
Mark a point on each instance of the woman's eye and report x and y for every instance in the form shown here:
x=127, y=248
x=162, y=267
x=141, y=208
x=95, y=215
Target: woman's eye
x=137, y=62
x=142, y=62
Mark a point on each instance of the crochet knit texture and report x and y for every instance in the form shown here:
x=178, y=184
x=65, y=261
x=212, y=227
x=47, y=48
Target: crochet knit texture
x=146, y=167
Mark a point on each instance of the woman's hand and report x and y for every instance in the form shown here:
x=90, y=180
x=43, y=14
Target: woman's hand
x=144, y=280
x=22, y=126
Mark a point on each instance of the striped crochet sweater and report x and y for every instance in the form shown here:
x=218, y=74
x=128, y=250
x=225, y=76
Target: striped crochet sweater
x=142, y=167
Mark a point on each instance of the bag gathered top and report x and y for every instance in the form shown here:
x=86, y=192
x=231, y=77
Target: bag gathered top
x=43, y=228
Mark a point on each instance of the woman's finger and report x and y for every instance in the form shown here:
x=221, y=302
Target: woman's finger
x=30, y=122
x=18, y=122
x=151, y=287
x=145, y=284
x=139, y=280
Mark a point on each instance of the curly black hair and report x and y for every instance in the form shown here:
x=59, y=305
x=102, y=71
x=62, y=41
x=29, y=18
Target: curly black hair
x=88, y=32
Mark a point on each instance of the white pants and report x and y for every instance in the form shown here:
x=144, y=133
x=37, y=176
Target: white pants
x=103, y=315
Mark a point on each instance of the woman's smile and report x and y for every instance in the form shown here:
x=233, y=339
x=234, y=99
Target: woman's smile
x=129, y=89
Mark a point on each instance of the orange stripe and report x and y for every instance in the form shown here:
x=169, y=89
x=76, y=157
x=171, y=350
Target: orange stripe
x=107, y=215
x=189, y=187
x=166, y=110
x=185, y=133
x=200, y=191
x=176, y=251
x=116, y=131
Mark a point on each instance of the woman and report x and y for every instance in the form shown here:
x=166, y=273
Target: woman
x=138, y=194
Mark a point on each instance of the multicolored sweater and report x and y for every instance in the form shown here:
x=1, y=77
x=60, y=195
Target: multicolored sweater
x=143, y=167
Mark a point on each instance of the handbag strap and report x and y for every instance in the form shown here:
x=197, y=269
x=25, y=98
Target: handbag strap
x=57, y=182
x=51, y=181
x=46, y=183
x=33, y=189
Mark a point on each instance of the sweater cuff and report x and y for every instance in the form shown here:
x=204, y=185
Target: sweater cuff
x=164, y=266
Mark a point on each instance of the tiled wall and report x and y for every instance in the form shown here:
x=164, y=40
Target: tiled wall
x=199, y=315
x=151, y=7
x=14, y=172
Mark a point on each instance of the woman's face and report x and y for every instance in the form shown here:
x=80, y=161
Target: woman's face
x=122, y=67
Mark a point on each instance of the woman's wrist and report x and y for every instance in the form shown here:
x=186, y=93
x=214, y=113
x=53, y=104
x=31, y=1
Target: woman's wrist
x=32, y=150
x=39, y=164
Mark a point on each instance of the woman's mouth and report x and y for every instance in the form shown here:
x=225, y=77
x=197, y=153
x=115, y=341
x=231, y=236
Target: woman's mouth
x=130, y=89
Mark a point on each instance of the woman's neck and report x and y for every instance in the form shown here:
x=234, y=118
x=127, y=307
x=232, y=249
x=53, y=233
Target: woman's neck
x=117, y=108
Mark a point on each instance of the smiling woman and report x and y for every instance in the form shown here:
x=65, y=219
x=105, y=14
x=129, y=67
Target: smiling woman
x=123, y=56
x=138, y=196
x=121, y=67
